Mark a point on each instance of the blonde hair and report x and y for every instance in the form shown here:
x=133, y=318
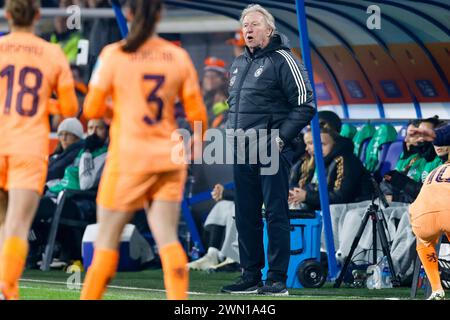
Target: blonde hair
x=23, y=11
x=306, y=170
x=258, y=8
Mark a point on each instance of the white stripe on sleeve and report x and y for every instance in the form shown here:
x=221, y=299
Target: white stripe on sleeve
x=302, y=93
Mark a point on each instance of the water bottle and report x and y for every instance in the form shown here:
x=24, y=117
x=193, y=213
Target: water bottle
x=385, y=273
x=422, y=275
x=374, y=277
x=187, y=238
x=195, y=252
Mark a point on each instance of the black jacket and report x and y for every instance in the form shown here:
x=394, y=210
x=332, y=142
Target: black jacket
x=347, y=179
x=58, y=162
x=270, y=89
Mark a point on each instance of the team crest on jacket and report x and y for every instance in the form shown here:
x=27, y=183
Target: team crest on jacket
x=232, y=80
x=258, y=72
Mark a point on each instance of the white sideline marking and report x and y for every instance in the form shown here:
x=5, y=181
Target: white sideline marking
x=110, y=295
x=113, y=287
x=215, y=294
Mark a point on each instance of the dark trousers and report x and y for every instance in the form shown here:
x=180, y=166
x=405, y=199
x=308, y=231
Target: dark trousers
x=252, y=190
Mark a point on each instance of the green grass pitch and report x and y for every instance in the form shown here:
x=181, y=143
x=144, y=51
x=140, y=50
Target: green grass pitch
x=148, y=285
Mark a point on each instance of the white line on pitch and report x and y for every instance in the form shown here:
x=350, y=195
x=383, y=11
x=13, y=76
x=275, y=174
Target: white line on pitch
x=113, y=287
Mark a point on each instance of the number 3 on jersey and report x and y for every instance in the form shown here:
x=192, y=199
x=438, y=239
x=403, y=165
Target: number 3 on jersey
x=154, y=98
x=33, y=91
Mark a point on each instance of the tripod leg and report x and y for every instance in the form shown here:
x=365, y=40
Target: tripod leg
x=374, y=240
x=386, y=250
x=338, y=282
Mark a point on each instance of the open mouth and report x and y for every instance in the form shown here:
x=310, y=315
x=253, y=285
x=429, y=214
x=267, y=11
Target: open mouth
x=249, y=38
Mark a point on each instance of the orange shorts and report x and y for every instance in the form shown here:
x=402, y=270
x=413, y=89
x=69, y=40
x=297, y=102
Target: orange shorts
x=130, y=192
x=429, y=227
x=23, y=172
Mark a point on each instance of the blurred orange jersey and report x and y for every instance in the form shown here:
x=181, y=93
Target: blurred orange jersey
x=435, y=193
x=144, y=87
x=31, y=69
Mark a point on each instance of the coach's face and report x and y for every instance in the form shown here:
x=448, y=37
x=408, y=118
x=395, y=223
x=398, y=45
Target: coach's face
x=256, y=31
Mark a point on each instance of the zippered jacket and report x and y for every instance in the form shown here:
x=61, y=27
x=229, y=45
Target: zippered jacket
x=270, y=89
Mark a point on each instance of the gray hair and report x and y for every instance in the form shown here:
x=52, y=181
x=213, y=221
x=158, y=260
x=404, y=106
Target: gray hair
x=258, y=8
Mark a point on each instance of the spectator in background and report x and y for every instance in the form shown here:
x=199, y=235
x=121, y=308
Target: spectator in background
x=67, y=38
x=101, y=33
x=347, y=179
x=83, y=173
x=214, y=85
x=440, y=136
x=414, y=164
x=409, y=187
x=238, y=43
x=220, y=109
x=70, y=135
x=413, y=160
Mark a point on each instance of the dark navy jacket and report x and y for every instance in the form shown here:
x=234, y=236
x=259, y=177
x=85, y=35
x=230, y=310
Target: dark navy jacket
x=58, y=163
x=270, y=89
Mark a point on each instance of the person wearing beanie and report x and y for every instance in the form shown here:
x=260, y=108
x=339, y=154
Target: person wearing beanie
x=78, y=167
x=70, y=136
x=238, y=43
x=69, y=132
x=214, y=85
x=214, y=75
x=331, y=118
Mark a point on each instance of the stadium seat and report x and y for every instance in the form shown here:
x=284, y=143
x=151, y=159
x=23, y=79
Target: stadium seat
x=361, y=138
x=57, y=221
x=393, y=153
x=384, y=150
x=383, y=135
x=348, y=130
x=363, y=150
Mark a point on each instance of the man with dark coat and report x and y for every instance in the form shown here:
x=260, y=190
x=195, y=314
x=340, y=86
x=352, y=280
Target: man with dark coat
x=269, y=91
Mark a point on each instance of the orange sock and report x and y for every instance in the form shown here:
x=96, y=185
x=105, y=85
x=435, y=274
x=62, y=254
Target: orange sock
x=12, y=263
x=176, y=276
x=102, y=270
x=430, y=263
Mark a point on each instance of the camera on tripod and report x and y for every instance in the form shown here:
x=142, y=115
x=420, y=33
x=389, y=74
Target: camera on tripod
x=379, y=227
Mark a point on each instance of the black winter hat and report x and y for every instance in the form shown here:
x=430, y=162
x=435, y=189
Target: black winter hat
x=331, y=118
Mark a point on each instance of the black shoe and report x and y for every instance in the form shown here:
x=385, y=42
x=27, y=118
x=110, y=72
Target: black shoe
x=243, y=286
x=274, y=288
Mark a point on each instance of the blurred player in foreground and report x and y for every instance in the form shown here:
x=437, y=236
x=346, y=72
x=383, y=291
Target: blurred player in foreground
x=144, y=74
x=31, y=69
x=430, y=218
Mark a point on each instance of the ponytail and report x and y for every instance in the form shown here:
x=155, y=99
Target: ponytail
x=144, y=23
x=23, y=11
